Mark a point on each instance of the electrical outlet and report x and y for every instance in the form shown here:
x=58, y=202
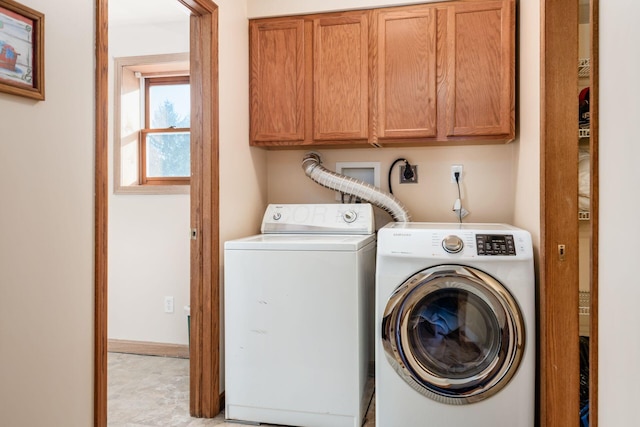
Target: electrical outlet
x=407, y=177
x=454, y=169
x=168, y=304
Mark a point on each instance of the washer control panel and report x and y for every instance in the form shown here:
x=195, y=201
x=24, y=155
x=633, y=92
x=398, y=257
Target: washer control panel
x=333, y=218
x=447, y=241
x=495, y=244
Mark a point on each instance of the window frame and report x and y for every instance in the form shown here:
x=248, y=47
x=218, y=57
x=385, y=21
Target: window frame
x=142, y=167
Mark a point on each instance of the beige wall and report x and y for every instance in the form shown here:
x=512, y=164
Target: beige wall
x=46, y=232
x=243, y=192
x=527, y=156
x=243, y=180
x=264, y=8
x=487, y=186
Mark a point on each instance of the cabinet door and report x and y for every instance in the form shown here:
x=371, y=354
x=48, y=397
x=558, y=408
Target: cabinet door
x=341, y=77
x=479, y=73
x=277, y=80
x=406, y=73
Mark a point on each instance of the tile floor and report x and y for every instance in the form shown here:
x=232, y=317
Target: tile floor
x=147, y=391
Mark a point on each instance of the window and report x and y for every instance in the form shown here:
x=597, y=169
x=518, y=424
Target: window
x=151, y=118
x=165, y=140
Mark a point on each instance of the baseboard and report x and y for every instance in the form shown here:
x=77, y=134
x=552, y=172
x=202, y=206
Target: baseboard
x=148, y=348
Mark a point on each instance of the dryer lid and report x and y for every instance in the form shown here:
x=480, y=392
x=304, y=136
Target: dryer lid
x=302, y=242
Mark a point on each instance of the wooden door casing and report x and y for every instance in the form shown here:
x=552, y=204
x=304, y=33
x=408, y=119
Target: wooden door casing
x=205, y=332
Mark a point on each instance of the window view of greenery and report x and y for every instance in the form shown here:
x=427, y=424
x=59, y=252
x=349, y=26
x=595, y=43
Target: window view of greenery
x=167, y=137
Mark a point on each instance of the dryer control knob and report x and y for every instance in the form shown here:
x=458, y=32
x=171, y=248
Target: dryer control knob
x=277, y=216
x=349, y=216
x=452, y=244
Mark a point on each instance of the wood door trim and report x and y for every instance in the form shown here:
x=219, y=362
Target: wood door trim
x=101, y=216
x=559, y=344
x=594, y=95
x=205, y=297
x=205, y=380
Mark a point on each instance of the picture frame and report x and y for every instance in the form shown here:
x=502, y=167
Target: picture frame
x=21, y=50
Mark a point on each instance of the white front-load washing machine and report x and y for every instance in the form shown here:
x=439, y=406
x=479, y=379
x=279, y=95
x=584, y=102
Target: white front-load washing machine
x=455, y=326
x=299, y=303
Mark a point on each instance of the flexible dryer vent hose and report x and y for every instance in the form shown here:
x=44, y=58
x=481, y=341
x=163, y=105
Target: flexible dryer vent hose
x=345, y=184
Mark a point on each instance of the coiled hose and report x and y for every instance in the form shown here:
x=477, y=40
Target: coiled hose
x=345, y=184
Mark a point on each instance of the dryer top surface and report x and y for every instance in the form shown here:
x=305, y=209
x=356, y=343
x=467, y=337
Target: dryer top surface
x=453, y=226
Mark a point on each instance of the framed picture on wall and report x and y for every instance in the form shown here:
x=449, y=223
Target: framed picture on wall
x=21, y=50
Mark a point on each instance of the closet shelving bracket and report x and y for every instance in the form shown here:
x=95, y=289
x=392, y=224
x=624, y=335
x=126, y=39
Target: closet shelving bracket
x=584, y=67
x=584, y=132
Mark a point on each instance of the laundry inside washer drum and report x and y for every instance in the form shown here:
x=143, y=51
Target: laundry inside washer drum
x=453, y=333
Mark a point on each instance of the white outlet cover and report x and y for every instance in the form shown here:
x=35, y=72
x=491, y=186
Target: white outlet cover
x=454, y=169
x=168, y=305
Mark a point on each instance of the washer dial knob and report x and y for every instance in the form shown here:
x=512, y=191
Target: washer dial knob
x=349, y=216
x=277, y=216
x=452, y=244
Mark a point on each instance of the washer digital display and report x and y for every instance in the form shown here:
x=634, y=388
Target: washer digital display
x=495, y=244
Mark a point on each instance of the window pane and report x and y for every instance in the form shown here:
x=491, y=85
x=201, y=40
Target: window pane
x=168, y=155
x=170, y=106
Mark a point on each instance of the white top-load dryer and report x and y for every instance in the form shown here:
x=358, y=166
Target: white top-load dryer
x=455, y=326
x=299, y=317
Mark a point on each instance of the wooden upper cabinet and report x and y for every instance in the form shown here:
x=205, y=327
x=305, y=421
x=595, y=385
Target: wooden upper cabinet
x=479, y=69
x=406, y=84
x=341, y=77
x=277, y=80
x=419, y=75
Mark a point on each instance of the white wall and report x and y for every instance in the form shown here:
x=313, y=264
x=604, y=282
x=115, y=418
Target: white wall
x=46, y=232
x=148, y=234
x=619, y=292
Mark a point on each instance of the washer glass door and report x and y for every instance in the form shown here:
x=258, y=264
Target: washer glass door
x=454, y=333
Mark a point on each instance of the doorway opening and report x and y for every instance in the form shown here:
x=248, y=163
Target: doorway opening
x=204, y=249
